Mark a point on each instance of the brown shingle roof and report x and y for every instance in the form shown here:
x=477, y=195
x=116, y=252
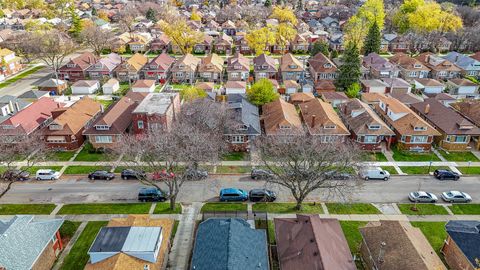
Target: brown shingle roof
x=301, y=97
x=329, y=96
x=470, y=109
x=406, y=248
x=358, y=116
x=319, y=116
x=211, y=63
x=407, y=62
x=462, y=82
x=288, y=62
x=321, y=63
x=445, y=119
x=311, y=242
x=278, y=114
x=144, y=83
x=188, y=63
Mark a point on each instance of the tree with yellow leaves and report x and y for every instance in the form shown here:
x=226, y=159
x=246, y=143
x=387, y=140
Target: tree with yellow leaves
x=284, y=34
x=103, y=15
x=260, y=39
x=284, y=15
x=357, y=26
x=195, y=16
x=181, y=34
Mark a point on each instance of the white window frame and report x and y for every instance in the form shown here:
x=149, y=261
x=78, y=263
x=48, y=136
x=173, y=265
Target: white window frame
x=103, y=139
x=420, y=139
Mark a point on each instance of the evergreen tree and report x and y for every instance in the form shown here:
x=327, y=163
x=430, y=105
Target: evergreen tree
x=372, y=40
x=151, y=15
x=349, y=71
x=94, y=11
x=300, y=5
x=334, y=54
x=320, y=46
x=268, y=3
x=76, y=26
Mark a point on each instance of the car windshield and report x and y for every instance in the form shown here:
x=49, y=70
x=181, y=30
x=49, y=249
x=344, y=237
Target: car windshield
x=415, y=194
x=449, y=194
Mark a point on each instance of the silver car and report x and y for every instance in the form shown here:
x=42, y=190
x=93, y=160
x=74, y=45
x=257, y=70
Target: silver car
x=422, y=196
x=456, y=196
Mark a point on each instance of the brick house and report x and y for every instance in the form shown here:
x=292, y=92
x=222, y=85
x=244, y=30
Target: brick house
x=106, y=131
x=379, y=67
x=32, y=243
x=247, y=122
x=365, y=126
x=131, y=69
x=158, y=68
x=455, y=129
x=76, y=68
x=160, y=44
x=241, y=45
x=210, y=68
x=185, y=69
x=321, y=120
x=411, y=131
x=299, y=44
x=410, y=68
x=9, y=63
x=290, y=67
x=280, y=118
x=321, y=68
x=205, y=46
x=469, y=66
x=155, y=113
x=104, y=67
x=440, y=69
x=238, y=67
x=66, y=130
x=264, y=66
x=223, y=44
x=460, y=249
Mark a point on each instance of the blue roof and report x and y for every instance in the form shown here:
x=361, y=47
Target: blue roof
x=463, y=61
x=466, y=234
x=229, y=244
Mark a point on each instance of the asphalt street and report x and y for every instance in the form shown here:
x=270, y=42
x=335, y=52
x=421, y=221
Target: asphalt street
x=73, y=189
x=28, y=83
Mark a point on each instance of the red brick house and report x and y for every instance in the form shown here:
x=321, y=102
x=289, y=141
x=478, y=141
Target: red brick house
x=158, y=68
x=66, y=130
x=321, y=68
x=365, y=126
x=461, y=246
x=160, y=44
x=76, y=68
x=155, y=113
x=223, y=44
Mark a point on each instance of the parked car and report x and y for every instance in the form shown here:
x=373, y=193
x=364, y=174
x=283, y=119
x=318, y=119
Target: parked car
x=152, y=194
x=262, y=195
x=375, y=173
x=196, y=174
x=101, y=175
x=132, y=174
x=334, y=175
x=17, y=175
x=446, y=174
x=47, y=174
x=456, y=196
x=422, y=196
x=233, y=194
x=260, y=174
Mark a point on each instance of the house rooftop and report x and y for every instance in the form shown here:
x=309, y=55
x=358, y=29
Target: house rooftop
x=155, y=103
x=466, y=234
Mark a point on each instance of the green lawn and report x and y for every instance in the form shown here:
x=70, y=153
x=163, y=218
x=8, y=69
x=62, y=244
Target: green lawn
x=124, y=87
x=377, y=156
x=390, y=169
x=400, y=155
x=223, y=207
x=420, y=169
x=235, y=156
x=459, y=156
x=352, y=208
x=270, y=227
x=174, y=231
x=20, y=76
x=288, y=208
x=352, y=234
x=60, y=155
x=78, y=256
x=234, y=169
x=465, y=209
x=84, y=169
x=69, y=228
x=423, y=209
x=33, y=170
x=177, y=86
x=26, y=209
x=469, y=170
x=434, y=232
x=164, y=208
x=88, y=153
x=106, y=103
x=105, y=208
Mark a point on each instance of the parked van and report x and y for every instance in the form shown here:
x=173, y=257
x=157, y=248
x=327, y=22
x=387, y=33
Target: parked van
x=47, y=174
x=375, y=173
x=233, y=194
x=152, y=194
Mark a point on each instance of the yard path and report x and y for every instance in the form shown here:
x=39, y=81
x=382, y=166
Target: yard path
x=69, y=246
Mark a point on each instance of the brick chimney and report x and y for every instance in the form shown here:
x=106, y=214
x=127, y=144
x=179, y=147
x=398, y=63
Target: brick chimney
x=313, y=121
x=427, y=109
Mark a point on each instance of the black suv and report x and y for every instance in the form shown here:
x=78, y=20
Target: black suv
x=446, y=174
x=262, y=195
x=132, y=174
x=152, y=194
x=101, y=175
x=261, y=174
x=17, y=175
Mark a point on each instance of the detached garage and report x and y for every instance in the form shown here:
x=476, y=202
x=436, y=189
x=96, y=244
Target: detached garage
x=85, y=87
x=111, y=87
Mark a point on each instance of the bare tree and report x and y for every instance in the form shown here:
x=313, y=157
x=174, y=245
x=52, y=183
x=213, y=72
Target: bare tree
x=126, y=18
x=303, y=164
x=196, y=136
x=29, y=150
x=22, y=45
x=96, y=38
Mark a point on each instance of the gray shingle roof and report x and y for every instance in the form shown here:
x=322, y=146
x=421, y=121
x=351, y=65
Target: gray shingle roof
x=246, y=113
x=25, y=238
x=466, y=234
x=229, y=244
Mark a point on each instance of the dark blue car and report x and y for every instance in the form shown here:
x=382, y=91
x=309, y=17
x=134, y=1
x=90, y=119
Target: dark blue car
x=233, y=194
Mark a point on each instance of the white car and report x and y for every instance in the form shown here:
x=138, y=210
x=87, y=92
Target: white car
x=47, y=174
x=456, y=196
x=422, y=196
x=375, y=173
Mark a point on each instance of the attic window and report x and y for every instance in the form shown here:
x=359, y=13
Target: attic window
x=242, y=127
x=102, y=127
x=285, y=127
x=329, y=127
x=374, y=127
x=55, y=127
x=327, y=65
x=419, y=128
x=417, y=66
x=70, y=65
x=292, y=66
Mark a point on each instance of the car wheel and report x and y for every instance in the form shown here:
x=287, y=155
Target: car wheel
x=38, y=178
x=433, y=201
x=455, y=179
x=385, y=179
x=53, y=178
x=90, y=177
x=467, y=201
x=125, y=178
x=367, y=178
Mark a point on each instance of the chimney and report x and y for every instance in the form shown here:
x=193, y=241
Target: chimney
x=313, y=121
x=17, y=106
x=427, y=109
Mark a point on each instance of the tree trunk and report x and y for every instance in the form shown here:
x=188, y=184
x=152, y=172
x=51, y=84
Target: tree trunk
x=6, y=189
x=173, y=199
x=299, y=205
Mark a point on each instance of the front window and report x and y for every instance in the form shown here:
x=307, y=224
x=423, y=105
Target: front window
x=419, y=139
x=370, y=139
x=238, y=139
x=103, y=139
x=458, y=138
x=140, y=124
